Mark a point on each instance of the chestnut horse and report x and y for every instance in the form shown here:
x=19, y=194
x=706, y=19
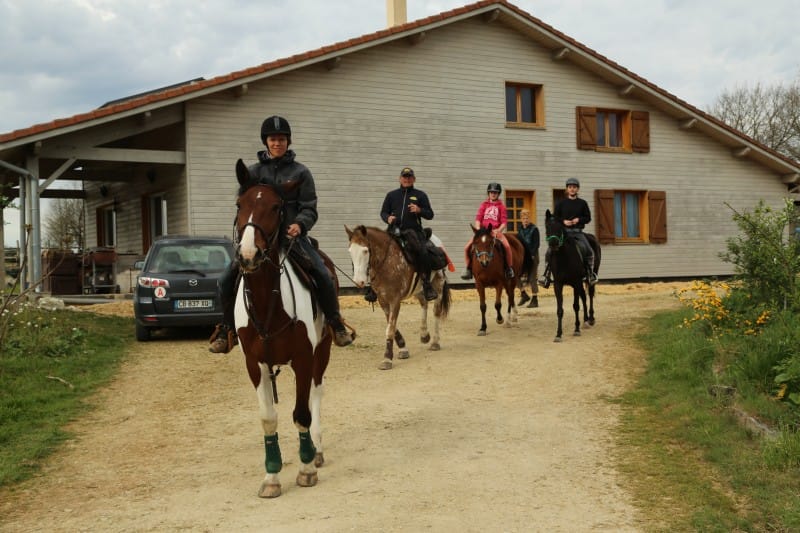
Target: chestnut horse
x=277, y=324
x=488, y=269
x=377, y=258
x=566, y=266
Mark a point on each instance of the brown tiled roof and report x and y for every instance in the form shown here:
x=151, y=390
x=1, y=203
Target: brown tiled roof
x=161, y=96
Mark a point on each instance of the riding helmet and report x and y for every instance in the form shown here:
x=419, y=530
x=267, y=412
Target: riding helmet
x=494, y=187
x=275, y=125
x=573, y=181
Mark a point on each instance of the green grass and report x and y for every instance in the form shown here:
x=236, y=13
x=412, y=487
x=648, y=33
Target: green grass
x=50, y=362
x=690, y=464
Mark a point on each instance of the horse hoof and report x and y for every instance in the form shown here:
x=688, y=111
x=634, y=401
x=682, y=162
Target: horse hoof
x=500, y=321
x=403, y=354
x=590, y=322
x=269, y=490
x=307, y=479
x=425, y=339
x=576, y=334
x=319, y=459
x=557, y=339
x=481, y=333
x=435, y=347
x=386, y=364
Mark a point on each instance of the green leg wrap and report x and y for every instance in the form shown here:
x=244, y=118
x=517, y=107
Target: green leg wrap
x=307, y=449
x=273, y=462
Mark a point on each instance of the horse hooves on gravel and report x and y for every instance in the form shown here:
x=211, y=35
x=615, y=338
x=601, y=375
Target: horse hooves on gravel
x=319, y=459
x=403, y=354
x=557, y=339
x=269, y=490
x=425, y=339
x=435, y=347
x=386, y=364
x=500, y=321
x=576, y=334
x=306, y=479
x=481, y=333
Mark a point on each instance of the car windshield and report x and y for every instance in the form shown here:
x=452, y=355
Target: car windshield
x=203, y=258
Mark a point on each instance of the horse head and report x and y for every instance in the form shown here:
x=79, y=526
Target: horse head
x=259, y=219
x=359, y=254
x=483, y=245
x=554, y=231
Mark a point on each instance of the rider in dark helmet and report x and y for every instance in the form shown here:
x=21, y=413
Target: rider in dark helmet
x=491, y=211
x=403, y=210
x=574, y=213
x=276, y=165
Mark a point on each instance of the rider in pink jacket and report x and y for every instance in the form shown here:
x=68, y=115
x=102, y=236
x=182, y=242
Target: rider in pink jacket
x=491, y=211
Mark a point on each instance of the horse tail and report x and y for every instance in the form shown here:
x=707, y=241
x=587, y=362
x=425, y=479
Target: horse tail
x=446, y=299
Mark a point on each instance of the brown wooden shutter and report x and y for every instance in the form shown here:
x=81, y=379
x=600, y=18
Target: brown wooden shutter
x=657, y=214
x=586, y=127
x=640, y=131
x=604, y=215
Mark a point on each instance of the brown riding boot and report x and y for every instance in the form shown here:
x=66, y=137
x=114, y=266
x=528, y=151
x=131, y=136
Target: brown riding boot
x=222, y=340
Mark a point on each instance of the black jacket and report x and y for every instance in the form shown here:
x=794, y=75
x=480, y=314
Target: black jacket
x=396, y=203
x=301, y=205
x=568, y=209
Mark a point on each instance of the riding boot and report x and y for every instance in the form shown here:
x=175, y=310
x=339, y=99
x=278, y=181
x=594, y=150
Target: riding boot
x=467, y=275
x=427, y=289
x=509, y=272
x=545, y=280
x=224, y=337
x=591, y=276
x=370, y=295
x=523, y=297
x=534, y=301
x=330, y=308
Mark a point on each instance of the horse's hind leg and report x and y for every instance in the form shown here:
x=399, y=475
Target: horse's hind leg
x=271, y=485
x=402, y=352
x=424, y=334
x=576, y=306
x=321, y=359
x=590, y=321
x=498, y=304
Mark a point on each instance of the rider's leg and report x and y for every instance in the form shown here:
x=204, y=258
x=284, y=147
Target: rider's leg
x=224, y=337
x=467, y=271
x=545, y=280
x=508, y=256
x=328, y=299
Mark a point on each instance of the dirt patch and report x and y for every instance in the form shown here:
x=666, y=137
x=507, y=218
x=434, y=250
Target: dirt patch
x=508, y=432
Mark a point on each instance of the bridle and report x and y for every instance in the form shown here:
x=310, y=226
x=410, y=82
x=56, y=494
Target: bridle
x=481, y=254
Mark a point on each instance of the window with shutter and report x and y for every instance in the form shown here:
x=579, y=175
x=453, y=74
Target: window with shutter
x=585, y=118
x=657, y=213
x=612, y=130
x=629, y=216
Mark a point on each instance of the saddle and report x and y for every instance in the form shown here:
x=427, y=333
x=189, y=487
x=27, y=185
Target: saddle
x=303, y=264
x=416, y=252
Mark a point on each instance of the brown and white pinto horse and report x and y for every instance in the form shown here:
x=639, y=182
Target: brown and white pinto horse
x=377, y=258
x=277, y=325
x=488, y=268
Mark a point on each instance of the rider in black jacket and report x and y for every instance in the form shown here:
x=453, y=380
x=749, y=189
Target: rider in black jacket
x=276, y=165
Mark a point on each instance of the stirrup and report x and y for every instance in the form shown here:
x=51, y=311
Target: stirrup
x=509, y=273
x=339, y=330
x=370, y=295
x=467, y=274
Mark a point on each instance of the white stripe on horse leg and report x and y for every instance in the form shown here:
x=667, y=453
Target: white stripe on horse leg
x=266, y=409
x=315, y=401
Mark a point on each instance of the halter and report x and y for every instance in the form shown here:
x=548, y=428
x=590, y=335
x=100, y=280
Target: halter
x=558, y=238
x=489, y=255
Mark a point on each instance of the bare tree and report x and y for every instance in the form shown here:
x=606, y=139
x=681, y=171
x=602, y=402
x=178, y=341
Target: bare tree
x=770, y=115
x=64, y=228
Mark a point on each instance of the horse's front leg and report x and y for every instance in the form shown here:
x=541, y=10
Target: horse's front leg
x=402, y=352
x=271, y=485
x=576, y=306
x=321, y=358
x=558, y=289
x=482, y=298
x=498, y=303
x=302, y=366
x=391, y=329
x=590, y=321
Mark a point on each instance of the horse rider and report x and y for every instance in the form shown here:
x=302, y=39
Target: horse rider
x=403, y=210
x=491, y=211
x=277, y=165
x=574, y=213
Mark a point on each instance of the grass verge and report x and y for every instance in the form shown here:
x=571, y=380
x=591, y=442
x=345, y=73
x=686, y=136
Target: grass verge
x=50, y=362
x=690, y=463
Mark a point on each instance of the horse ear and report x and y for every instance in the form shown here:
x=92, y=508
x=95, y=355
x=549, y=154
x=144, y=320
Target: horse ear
x=473, y=229
x=547, y=214
x=347, y=230
x=242, y=174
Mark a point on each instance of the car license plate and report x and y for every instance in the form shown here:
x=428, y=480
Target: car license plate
x=194, y=304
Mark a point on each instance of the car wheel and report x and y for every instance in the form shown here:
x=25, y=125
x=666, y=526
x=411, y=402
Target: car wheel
x=142, y=333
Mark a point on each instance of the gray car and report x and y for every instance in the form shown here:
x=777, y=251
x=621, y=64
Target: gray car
x=177, y=285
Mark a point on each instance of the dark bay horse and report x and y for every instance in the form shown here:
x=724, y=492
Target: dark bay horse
x=488, y=268
x=277, y=325
x=377, y=258
x=566, y=266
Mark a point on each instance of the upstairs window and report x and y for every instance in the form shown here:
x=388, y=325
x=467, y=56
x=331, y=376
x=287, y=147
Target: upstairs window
x=524, y=105
x=629, y=216
x=612, y=130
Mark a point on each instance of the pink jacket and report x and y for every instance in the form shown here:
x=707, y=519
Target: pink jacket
x=493, y=213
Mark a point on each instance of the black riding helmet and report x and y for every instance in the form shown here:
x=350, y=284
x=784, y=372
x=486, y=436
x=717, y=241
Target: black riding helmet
x=275, y=125
x=573, y=181
x=494, y=187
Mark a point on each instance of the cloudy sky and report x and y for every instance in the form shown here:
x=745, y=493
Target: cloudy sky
x=63, y=57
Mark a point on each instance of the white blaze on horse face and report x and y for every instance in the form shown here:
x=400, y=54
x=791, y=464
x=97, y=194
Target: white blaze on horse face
x=247, y=242
x=359, y=254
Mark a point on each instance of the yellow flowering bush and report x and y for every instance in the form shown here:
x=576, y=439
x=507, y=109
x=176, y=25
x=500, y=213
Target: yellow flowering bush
x=723, y=308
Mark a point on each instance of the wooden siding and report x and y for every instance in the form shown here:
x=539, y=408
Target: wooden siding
x=438, y=106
